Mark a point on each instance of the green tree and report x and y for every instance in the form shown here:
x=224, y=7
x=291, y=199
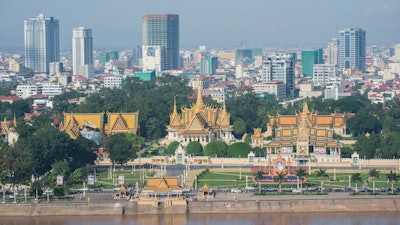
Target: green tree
x=392, y=177
x=172, y=147
x=373, y=173
x=120, y=149
x=321, y=173
x=195, y=148
x=239, y=149
x=216, y=148
x=280, y=177
x=301, y=172
x=239, y=127
x=356, y=177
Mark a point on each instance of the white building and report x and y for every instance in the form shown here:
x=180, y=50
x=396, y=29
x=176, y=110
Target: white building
x=82, y=52
x=322, y=73
x=151, y=58
x=42, y=43
x=276, y=87
x=332, y=51
x=51, y=89
x=113, y=82
x=26, y=90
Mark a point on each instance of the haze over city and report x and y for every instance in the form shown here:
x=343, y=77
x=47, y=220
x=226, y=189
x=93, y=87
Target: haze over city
x=221, y=24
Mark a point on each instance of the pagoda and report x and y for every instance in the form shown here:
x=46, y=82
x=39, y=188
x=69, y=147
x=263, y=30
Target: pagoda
x=202, y=123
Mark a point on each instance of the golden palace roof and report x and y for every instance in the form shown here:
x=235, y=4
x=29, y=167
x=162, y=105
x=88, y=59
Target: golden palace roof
x=108, y=123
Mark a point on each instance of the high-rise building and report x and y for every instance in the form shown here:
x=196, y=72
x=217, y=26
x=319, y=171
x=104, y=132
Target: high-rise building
x=163, y=30
x=104, y=57
x=352, y=49
x=82, y=52
x=309, y=58
x=42, y=43
x=332, y=52
x=209, y=65
x=281, y=68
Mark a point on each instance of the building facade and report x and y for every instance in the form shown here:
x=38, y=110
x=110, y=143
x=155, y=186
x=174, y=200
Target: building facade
x=309, y=58
x=151, y=58
x=280, y=68
x=82, y=52
x=306, y=135
x=323, y=73
x=332, y=52
x=276, y=87
x=200, y=123
x=209, y=65
x=163, y=30
x=113, y=82
x=42, y=43
x=352, y=49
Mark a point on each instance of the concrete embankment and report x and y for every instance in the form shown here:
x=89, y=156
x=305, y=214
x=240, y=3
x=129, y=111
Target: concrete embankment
x=297, y=205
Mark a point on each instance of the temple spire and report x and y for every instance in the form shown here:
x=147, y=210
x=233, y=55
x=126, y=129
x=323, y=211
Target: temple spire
x=199, y=101
x=224, y=107
x=15, y=121
x=175, y=111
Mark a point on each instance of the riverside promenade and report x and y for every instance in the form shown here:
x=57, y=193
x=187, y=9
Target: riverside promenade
x=104, y=204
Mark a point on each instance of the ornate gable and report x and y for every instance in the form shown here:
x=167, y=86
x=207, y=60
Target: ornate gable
x=119, y=124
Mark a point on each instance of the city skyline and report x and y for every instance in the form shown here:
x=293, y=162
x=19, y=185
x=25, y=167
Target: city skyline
x=226, y=24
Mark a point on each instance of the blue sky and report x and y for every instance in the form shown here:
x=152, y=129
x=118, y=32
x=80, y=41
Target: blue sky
x=214, y=23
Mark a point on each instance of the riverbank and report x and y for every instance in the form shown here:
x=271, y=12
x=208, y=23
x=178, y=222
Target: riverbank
x=259, y=204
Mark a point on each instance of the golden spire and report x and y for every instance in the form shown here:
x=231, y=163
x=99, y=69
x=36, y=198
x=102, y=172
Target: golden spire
x=175, y=111
x=224, y=108
x=15, y=121
x=199, y=102
x=305, y=108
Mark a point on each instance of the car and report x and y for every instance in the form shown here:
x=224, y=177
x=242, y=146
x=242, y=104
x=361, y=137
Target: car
x=236, y=190
x=97, y=189
x=250, y=188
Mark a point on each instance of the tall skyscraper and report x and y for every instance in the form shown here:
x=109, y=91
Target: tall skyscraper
x=281, y=68
x=82, y=52
x=309, y=58
x=352, y=49
x=332, y=52
x=163, y=30
x=42, y=43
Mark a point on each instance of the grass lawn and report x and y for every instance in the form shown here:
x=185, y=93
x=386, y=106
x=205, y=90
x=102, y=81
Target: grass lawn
x=232, y=179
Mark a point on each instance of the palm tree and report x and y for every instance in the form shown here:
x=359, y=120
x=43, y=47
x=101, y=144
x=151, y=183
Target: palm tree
x=392, y=177
x=373, y=173
x=322, y=173
x=259, y=176
x=301, y=172
x=280, y=177
x=356, y=177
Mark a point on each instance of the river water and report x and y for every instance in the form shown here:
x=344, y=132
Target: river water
x=215, y=219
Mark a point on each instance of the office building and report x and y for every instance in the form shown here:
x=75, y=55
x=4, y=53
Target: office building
x=323, y=73
x=209, y=65
x=280, y=67
x=113, y=82
x=56, y=67
x=82, y=52
x=352, y=49
x=309, y=58
x=163, y=30
x=104, y=57
x=151, y=59
x=332, y=52
x=42, y=43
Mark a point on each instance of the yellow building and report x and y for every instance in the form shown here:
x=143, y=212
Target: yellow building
x=306, y=134
x=200, y=123
x=92, y=125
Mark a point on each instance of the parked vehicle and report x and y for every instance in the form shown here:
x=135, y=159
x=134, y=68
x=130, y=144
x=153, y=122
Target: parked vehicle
x=236, y=190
